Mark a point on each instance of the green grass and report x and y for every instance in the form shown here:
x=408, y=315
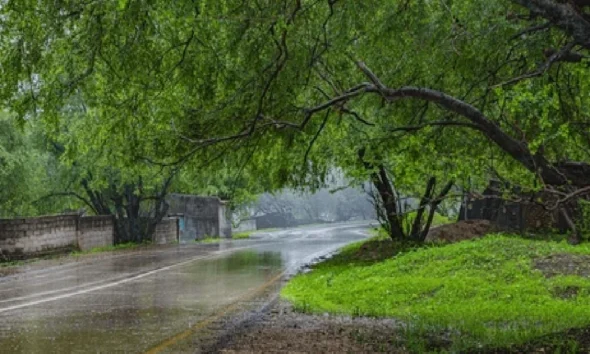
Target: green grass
x=484, y=292
x=11, y=263
x=209, y=239
x=242, y=235
x=119, y=247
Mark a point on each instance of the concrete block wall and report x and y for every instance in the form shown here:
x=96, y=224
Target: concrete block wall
x=95, y=231
x=166, y=232
x=32, y=237
x=20, y=238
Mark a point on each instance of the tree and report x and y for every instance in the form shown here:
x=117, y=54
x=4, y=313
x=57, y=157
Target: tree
x=503, y=82
x=136, y=198
x=304, y=206
x=26, y=170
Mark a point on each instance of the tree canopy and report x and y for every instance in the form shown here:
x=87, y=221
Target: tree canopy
x=277, y=93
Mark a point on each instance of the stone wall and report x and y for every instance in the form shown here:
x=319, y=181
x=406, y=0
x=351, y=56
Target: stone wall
x=166, y=232
x=20, y=238
x=95, y=231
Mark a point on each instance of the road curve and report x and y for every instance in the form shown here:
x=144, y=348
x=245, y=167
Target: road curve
x=140, y=301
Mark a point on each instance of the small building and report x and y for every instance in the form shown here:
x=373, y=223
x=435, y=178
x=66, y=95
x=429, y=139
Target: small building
x=200, y=217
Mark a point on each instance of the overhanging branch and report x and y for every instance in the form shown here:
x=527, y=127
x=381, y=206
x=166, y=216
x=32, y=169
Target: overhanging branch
x=555, y=57
x=563, y=16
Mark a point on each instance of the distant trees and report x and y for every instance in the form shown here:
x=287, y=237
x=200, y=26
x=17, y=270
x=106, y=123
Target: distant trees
x=323, y=205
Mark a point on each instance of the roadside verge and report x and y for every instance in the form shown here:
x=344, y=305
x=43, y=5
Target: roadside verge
x=500, y=292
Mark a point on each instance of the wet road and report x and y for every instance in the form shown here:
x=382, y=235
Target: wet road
x=131, y=303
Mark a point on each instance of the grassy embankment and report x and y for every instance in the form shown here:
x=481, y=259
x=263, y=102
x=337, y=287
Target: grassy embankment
x=498, y=291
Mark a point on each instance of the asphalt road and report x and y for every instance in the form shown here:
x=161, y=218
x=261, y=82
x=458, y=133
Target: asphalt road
x=135, y=302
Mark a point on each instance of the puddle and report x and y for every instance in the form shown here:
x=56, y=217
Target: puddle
x=134, y=316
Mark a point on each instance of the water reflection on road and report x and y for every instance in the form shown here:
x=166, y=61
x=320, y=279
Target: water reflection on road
x=129, y=304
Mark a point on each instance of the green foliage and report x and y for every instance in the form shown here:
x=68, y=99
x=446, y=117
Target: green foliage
x=156, y=79
x=12, y=263
x=209, y=239
x=130, y=86
x=118, y=247
x=27, y=170
x=483, y=292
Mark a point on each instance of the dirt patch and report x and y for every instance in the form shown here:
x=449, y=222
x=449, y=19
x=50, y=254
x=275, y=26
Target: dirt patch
x=460, y=231
x=566, y=292
x=564, y=264
x=376, y=251
x=281, y=330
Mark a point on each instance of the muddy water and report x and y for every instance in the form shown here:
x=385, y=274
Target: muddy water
x=131, y=304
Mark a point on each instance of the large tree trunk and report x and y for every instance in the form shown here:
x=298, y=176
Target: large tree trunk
x=428, y=202
x=133, y=221
x=160, y=208
x=434, y=203
x=133, y=217
x=416, y=231
x=389, y=203
x=387, y=198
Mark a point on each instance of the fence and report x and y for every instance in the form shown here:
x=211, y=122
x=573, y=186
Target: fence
x=512, y=216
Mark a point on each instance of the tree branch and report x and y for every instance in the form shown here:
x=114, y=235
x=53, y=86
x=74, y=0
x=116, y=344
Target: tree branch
x=315, y=137
x=563, y=16
x=412, y=128
x=533, y=29
x=555, y=57
x=67, y=194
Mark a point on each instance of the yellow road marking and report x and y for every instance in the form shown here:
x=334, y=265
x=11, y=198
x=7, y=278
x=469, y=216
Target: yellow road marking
x=224, y=311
